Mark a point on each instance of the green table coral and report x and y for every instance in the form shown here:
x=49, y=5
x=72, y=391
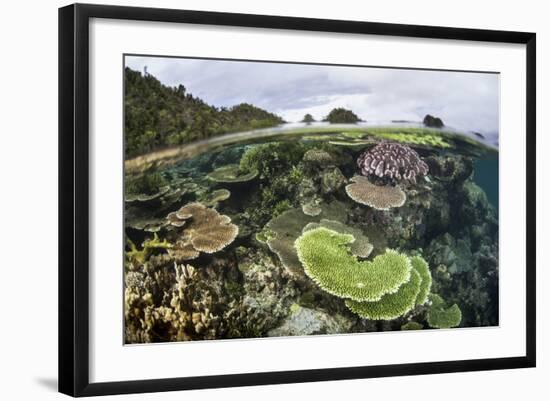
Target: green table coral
x=392, y=305
x=385, y=288
x=327, y=260
x=440, y=316
x=422, y=268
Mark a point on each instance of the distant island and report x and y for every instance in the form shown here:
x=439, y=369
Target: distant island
x=340, y=115
x=157, y=116
x=434, y=122
x=308, y=119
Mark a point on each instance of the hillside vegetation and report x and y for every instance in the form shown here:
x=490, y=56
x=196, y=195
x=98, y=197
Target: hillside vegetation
x=158, y=116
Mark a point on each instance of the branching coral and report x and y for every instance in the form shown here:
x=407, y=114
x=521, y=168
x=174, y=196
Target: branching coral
x=204, y=230
x=361, y=190
x=440, y=316
x=392, y=160
x=135, y=256
x=327, y=261
x=173, y=304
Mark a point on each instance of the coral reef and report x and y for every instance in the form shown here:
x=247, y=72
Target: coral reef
x=205, y=230
x=392, y=160
x=293, y=250
x=379, y=197
x=327, y=261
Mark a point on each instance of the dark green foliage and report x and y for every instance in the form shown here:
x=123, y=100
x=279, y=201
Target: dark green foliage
x=157, y=116
x=308, y=118
x=342, y=116
x=431, y=121
x=145, y=184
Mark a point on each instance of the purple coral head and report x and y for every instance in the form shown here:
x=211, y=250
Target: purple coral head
x=392, y=160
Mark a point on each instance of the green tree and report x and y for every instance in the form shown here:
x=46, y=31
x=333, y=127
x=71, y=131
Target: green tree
x=342, y=116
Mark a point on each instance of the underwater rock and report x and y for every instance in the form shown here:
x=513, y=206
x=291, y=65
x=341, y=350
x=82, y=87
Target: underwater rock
x=332, y=180
x=304, y=321
x=268, y=292
x=454, y=168
x=412, y=325
x=394, y=161
x=204, y=230
x=379, y=197
x=455, y=254
x=232, y=174
x=431, y=121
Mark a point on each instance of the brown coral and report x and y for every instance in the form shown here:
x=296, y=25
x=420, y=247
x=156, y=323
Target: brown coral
x=378, y=197
x=392, y=160
x=205, y=230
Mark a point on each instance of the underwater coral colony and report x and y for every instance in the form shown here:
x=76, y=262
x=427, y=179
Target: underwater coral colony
x=300, y=238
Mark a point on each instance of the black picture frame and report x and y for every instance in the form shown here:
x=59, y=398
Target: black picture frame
x=74, y=198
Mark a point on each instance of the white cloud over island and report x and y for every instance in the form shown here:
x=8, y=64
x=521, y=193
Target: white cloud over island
x=464, y=100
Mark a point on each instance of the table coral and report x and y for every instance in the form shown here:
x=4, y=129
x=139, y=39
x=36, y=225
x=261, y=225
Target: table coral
x=326, y=260
x=440, y=316
x=204, y=230
x=361, y=247
x=379, y=197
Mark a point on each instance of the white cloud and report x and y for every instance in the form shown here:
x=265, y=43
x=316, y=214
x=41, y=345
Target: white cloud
x=463, y=100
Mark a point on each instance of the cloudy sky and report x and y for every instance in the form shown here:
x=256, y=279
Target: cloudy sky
x=468, y=101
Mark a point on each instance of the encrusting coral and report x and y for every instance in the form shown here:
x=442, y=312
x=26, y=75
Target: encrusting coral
x=326, y=260
x=204, y=230
x=392, y=160
x=440, y=316
x=379, y=197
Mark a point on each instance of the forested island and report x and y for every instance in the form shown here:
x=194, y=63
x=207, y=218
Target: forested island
x=158, y=116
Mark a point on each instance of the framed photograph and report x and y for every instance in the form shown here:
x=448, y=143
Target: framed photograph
x=250, y=199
